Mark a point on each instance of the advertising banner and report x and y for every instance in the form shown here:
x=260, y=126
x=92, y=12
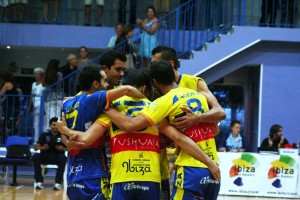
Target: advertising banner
x=240, y=174
x=280, y=175
x=252, y=174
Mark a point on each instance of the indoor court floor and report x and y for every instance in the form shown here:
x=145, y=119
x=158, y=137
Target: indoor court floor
x=25, y=191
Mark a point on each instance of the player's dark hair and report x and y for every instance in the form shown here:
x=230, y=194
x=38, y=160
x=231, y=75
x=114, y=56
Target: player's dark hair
x=138, y=78
x=109, y=58
x=87, y=76
x=167, y=54
x=162, y=72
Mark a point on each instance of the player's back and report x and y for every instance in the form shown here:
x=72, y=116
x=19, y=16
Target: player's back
x=169, y=106
x=135, y=156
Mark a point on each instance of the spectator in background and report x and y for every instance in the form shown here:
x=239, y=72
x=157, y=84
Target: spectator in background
x=123, y=44
x=54, y=93
x=10, y=104
x=4, y=4
x=88, y=7
x=288, y=13
x=235, y=142
x=19, y=6
x=57, y=8
x=275, y=140
x=162, y=7
x=268, y=12
x=149, y=35
x=113, y=39
x=52, y=151
x=70, y=83
x=83, y=56
x=122, y=12
x=35, y=101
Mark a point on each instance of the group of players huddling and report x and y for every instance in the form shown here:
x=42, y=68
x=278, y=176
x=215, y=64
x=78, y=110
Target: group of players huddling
x=153, y=105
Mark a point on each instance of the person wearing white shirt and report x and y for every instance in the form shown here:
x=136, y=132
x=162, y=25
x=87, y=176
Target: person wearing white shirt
x=113, y=39
x=35, y=102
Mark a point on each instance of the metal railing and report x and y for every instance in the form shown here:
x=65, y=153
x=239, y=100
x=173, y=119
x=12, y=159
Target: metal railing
x=68, y=12
x=15, y=119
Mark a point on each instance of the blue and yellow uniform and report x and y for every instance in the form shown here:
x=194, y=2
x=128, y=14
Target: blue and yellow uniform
x=87, y=174
x=135, y=161
x=193, y=179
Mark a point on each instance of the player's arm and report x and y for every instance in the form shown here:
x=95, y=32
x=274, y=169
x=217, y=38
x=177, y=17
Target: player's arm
x=71, y=144
x=128, y=124
x=214, y=115
x=124, y=90
x=189, y=146
x=87, y=138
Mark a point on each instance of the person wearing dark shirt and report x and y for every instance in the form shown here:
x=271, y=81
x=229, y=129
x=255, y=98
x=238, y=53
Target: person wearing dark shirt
x=275, y=140
x=70, y=83
x=124, y=45
x=235, y=142
x=52, y=151
x=10, y=104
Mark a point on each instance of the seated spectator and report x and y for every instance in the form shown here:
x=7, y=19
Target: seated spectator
x=35, y=101
x=88, y=7
x=52, y=151
x=57, y=8
x=235, y=142
x=275, y=140
x=113, y=39
x=123, y=44
x=19, y=6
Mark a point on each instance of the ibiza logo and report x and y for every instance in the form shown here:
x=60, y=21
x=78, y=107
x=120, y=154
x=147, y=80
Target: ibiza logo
x=75, y=170
x=135, y=168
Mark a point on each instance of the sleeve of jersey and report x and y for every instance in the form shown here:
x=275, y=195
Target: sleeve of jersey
x=104, y=120
x=156, y=111
x=101, y=100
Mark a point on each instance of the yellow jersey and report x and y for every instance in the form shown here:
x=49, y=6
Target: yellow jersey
x=189, y=81
x=169, y=107
x=135, y=156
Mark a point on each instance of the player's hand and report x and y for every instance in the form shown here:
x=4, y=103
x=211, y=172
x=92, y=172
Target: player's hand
x=75, y=145
x=61, y=124
x=214, y=169
x=187, y=121
x=60, y=147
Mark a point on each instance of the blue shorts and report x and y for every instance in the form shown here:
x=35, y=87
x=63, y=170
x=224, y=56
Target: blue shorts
x=135, y=190
x=194, y=183
x=165, y=189
x=96, y=189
